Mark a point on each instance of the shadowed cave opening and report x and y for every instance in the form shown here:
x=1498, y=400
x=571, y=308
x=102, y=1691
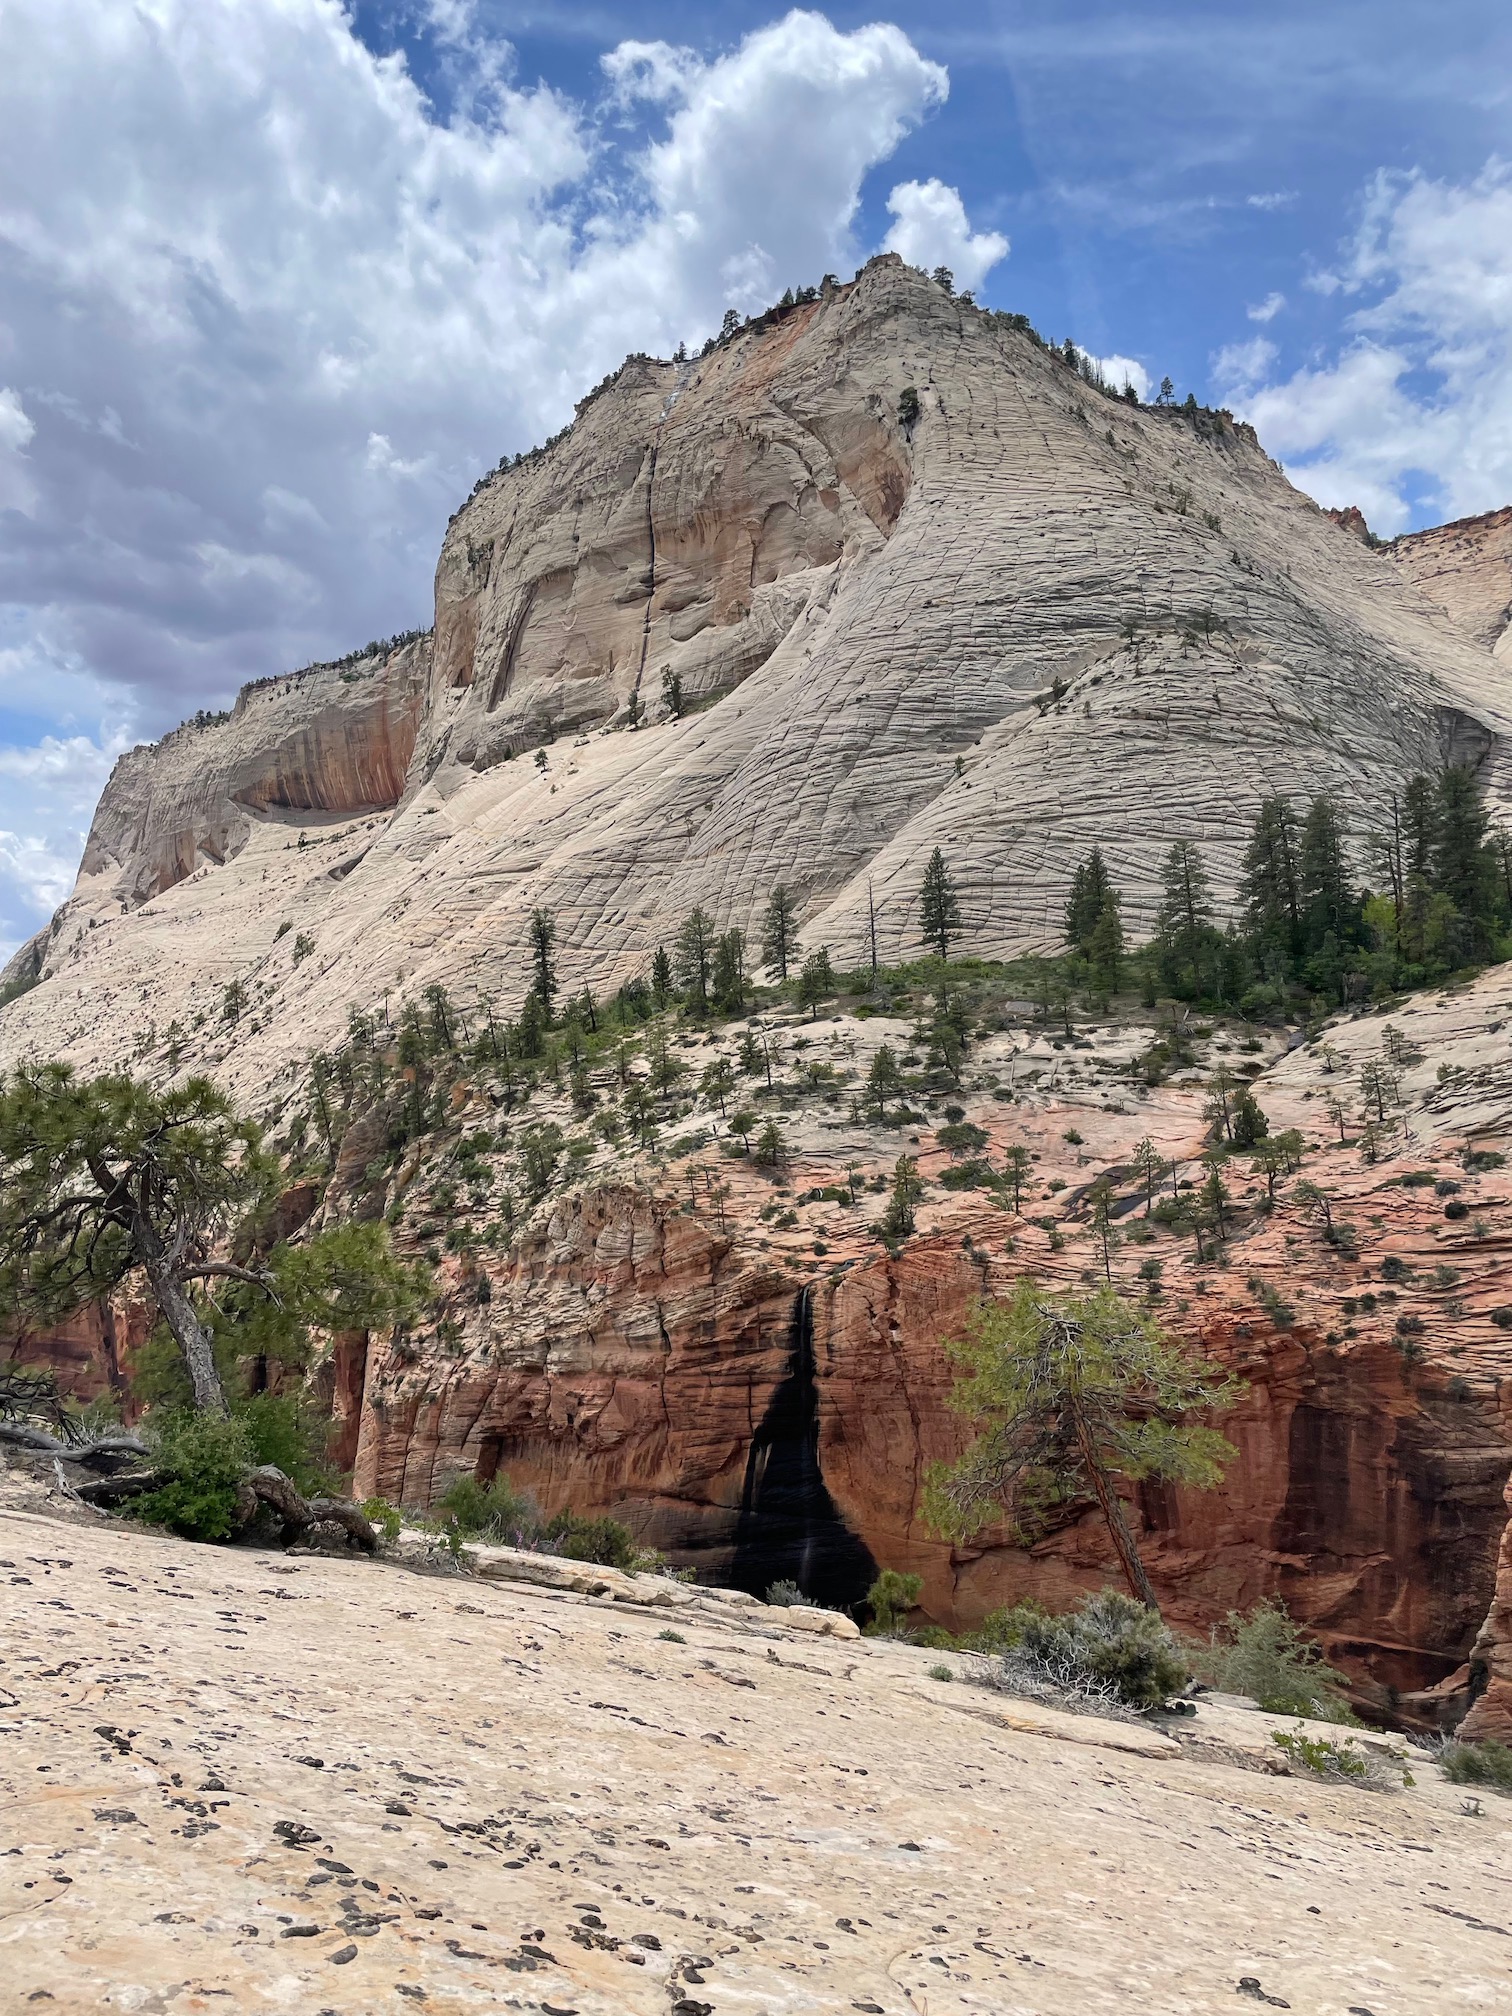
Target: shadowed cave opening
x=789, y=1528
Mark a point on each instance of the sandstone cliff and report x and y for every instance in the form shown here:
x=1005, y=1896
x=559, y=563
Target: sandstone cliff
x=1466, y=567
x=1030, y=618
x=745, y=1375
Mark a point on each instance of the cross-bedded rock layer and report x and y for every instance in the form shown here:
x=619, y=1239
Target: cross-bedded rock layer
x=1032, y=618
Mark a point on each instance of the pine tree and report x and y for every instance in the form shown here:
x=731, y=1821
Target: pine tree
x=901, y=1214
x=1105, y=948
x=1461, y=864
x=779, y=932
x=939, y=911
x=1419, y=828
x=718, y=1082
x=1017, y=1169
x=1330, y=902
x=693, y=958
x=1249, y=1122
x=729, y=981
x=1268, y=885
x=1184, y=931
x=104, y=1179
x=1100, y=1197
x=661, y=977
x=1151, y=1166
x=1090, y=890
x=1070, y=1394
x=883, y=1080
x=817, y=981
x=542, y=943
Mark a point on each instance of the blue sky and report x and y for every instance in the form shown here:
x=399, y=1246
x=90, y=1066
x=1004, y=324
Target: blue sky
x=277, y=280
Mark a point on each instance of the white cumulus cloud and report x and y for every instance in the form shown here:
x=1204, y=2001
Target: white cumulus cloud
x=1421, y=391
x=48, y=790
x=269, y=312
x=1120, y=371
x=930, y=229
x=257, y=248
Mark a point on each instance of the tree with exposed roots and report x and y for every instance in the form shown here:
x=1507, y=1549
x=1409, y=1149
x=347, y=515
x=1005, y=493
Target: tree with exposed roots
x=1070, y=1394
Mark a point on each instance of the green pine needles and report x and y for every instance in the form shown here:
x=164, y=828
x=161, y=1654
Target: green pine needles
x=1070, y=1394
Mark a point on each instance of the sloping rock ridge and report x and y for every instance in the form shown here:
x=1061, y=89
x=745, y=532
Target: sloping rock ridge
x=1030, y=618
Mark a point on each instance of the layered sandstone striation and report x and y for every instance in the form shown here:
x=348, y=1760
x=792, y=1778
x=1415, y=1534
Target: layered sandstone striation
x=1466, y=568
x=1031, y=618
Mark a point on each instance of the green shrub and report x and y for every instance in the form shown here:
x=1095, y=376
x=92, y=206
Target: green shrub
x=671, y=1637
x=1109, y=1646
x=941, y=1672
x=1488, y=1763
x=890, y=1598
x=499, y=1514
x=1320, y=1755
x=789, y=1596
x=608, y=1542
x=282, y=1431
x=493, y=1512
x=387, y=1518
x=934, y=1638
x=1001, y=1630
x=1272, y=1660
x=205, y=1457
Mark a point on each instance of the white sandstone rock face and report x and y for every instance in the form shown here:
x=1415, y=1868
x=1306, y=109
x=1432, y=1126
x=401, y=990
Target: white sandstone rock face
x=1466, y=568
x=1035, y=619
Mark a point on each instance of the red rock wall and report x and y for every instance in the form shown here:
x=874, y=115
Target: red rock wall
x=89, y=1352
x=641, y=1350
x=638, y=1353
x=1490, y=1675
x=1361, y=1492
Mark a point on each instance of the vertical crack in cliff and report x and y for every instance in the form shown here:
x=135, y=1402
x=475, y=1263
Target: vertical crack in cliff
x=640, y=670
x=790, y=1529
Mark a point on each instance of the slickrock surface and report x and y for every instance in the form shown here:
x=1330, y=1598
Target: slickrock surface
x=1035, y=619
x=239, y=1780
x=1466, y=567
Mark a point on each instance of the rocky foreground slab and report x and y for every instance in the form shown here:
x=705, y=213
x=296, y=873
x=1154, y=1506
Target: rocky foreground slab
x=235, y=1780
